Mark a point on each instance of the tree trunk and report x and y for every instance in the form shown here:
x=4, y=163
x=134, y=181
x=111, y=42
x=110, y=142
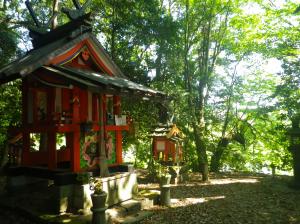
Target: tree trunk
x=54, y=10
x=215, y=162
x=201, y=152
x=205, y=171
x=113, y=32
x=296, y=166
x=295, y=150
x=198, y=86
x=158, y=62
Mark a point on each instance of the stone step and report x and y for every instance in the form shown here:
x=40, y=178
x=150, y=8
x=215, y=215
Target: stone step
x=134, y=218
x=123, y=209
x=127, y=212
x=148, y=198
x=131, y=206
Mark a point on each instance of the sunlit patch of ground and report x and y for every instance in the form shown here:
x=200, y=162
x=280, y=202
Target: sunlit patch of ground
x=231, y=199
x=231, y=180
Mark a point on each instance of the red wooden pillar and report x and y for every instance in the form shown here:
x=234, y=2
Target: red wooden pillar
x=119, y=147
x=26, y=136
x=69, y=141
x=51, y=134
x=75, y=146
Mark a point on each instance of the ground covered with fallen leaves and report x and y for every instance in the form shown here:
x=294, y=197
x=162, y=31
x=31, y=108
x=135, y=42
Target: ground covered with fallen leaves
x=229, y=198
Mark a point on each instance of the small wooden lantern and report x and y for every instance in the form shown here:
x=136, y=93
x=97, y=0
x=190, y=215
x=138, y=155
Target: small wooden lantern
x=167, y=143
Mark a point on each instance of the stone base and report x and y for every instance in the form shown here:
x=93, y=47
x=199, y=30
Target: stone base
x=127, y=212
x=148, y=198
x=119, y=188
x=66, y=193
x=22, y=183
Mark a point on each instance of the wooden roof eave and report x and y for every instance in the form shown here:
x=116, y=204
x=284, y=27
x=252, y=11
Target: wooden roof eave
x=115, y=84
x=84, y=84
x=97, y=87
x=36, y=58
x=105, y=87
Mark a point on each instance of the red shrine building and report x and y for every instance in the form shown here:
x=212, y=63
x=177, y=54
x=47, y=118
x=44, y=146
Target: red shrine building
x=71, y=99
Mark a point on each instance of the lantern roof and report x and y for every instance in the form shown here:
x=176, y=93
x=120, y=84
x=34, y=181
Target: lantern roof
x=169, y=131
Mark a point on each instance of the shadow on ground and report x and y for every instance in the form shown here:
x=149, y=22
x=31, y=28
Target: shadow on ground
x=231, y=199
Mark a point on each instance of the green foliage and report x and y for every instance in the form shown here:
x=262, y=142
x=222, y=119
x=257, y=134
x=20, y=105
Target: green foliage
x=287, y=92
x=137, y=140
x=10, y=109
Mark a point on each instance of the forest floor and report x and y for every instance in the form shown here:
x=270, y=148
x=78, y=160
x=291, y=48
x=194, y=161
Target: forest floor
x=229, y=198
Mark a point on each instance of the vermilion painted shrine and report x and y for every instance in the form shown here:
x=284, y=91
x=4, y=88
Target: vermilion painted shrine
x=71, y=112
x=71, y=90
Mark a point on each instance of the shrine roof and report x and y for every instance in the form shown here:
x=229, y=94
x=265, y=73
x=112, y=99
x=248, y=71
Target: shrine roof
x=98, y=82
x=55, y=48
x=36, y=58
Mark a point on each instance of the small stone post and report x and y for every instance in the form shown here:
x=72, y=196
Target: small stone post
x=165, y=195
x=99, y=208
x=98, y=215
